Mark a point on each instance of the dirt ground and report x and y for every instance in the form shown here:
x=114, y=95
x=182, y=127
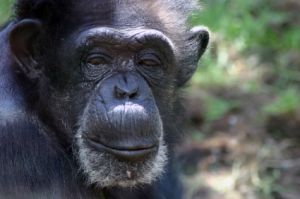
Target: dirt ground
x=234, y=157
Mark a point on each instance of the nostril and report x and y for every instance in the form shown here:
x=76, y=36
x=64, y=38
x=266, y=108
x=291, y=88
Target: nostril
x=124, y=93
x=119, y=93
x=134, y=94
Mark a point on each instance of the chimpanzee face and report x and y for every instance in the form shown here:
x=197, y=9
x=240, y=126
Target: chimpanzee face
x=111, y=77
x=120, y=136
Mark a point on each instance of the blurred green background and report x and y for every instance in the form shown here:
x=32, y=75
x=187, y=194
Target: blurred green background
x=5, y=10
x=243, y=104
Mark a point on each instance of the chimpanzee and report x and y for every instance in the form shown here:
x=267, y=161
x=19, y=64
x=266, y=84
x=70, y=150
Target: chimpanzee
x=89, y=104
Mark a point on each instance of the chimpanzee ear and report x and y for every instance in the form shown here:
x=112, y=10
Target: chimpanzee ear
x=23, y=39
x=197, y=43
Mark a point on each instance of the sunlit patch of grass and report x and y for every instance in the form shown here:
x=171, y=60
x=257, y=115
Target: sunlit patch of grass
x=254, y=175
x=224, y=66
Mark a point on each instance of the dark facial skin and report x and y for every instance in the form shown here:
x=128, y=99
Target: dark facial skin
x=129, y=120
x=120, y=70
x=114, y=88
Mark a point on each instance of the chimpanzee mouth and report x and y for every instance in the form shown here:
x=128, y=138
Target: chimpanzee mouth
x=123, y=163
x=125, y=153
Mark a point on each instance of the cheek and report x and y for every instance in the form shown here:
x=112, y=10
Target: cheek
x=156, y=77
x=94, y=114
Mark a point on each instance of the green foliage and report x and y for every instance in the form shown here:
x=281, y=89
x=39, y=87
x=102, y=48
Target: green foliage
x=216, y=108
x=210, y=76
x=248, y=21
x=287, y=102
x=254, y=50
x=244, y=29
x=268, y=184
x=5, y=8
x=197, y=136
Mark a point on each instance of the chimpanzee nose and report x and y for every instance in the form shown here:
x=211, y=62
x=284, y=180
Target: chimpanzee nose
x=122, y=93
x=126, y=87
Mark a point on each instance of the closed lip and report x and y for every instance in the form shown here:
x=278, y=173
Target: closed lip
x=134, y=152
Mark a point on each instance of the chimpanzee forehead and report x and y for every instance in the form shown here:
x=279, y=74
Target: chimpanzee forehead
x=113, y=13
x=129, y=37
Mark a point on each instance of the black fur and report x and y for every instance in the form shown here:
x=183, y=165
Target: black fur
x=38, y=156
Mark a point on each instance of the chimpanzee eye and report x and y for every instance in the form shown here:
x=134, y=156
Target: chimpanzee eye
x=149, y=59
x=97, y=59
